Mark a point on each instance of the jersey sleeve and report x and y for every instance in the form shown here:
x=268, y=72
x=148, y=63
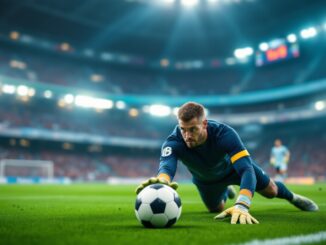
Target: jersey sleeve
x=231, y=143
x=168, y=159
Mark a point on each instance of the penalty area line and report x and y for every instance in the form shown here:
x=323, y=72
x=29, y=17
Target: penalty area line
x=292, y=240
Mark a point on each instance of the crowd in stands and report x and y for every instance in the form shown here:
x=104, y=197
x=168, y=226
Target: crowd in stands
x=81, y=166
x=307, y=159
x=86, y=74
x=106, y=123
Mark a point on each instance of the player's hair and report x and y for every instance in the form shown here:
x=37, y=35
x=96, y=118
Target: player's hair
x=191, y=110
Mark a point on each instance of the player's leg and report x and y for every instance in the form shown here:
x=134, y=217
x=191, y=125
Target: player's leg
x=214, y=196
x=278, y=176
x=270, y=189
x=283, y=172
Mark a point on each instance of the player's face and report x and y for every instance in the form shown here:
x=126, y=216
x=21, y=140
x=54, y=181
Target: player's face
x=194, y=132
x=278, y=143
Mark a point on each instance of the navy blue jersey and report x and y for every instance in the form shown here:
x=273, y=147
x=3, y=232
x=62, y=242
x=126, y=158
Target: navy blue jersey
x=212, y=161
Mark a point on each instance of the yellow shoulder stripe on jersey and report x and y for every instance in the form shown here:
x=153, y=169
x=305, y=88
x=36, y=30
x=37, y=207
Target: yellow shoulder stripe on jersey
x=239, y=155
x=164, y=176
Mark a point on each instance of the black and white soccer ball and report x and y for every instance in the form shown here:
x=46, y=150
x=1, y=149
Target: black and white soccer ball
x=158, y=206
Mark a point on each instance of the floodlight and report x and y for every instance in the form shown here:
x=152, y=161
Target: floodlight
x=22, y=90
x=243, y=52
x=69, y=98
x=292, y=38
x=263, y=46
x=8, y=89
x=48, y=94
x=159, y=110
x=189, y=3
x=308, y=33
x=120, y=105
x=320, y=105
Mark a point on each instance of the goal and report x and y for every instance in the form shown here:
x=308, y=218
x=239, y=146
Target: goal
x=26, y=168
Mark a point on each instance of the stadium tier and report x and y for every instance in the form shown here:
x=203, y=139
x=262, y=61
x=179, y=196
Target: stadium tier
x=35, y=65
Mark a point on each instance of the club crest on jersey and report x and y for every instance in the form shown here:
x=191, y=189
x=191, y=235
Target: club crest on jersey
x=167, y=151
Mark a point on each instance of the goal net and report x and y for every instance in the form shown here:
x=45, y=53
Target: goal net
x=26, y=168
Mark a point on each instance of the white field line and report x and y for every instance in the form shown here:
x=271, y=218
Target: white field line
x=292, y=240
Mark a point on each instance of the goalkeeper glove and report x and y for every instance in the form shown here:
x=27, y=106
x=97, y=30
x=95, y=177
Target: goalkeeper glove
x=238, y=213
x=156, y=180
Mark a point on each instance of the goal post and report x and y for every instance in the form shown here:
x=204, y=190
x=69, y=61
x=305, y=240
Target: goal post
x=26, y=168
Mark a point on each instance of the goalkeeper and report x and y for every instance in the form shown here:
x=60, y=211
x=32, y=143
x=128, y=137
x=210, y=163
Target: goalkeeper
x=217, y=158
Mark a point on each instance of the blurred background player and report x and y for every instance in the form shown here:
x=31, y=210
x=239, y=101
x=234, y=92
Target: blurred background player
x=216, y=157
x=280, y=156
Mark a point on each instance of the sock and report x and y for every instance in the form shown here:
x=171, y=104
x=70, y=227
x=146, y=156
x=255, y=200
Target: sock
x=283, y=191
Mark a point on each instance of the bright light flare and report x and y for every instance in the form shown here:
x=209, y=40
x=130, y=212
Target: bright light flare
x=189, y=3
x=159, y=110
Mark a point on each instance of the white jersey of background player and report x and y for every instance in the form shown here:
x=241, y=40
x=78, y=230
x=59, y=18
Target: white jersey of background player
x=280, y=156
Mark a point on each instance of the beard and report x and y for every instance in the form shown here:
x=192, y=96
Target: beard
x=193, y=143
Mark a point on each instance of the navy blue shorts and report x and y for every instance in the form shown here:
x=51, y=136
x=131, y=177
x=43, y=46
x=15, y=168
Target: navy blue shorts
x=213, y=193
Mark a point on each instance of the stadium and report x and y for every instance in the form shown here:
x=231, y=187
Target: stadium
x=90, y=90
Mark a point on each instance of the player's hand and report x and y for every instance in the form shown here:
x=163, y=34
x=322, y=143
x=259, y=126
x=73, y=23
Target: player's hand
x=238, y=213
x=156, y=180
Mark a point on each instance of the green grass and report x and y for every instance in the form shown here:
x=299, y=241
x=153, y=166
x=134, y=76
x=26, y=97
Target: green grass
x=102, y=214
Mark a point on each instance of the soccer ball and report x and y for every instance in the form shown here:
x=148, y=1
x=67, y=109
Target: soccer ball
x=158, y=206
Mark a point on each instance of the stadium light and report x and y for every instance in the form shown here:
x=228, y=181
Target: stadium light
x=22, y=90
x=308, y=33
x=175, y=111
x=133, y=112
x=48, y=94
x=189, y=3
x=292, y=38
x=320, y=105
x=8, y=89
x=169, y=1
x=243, y=52
x=96, y=78
x=65, y=47
x=14, y=35
x=69, y=98
x=31, y=92
x=18, y=64
x=263, y=46
x=212, y=2
x=159, y=110
x=120, y=105
x=90, y=102
x=165, y=62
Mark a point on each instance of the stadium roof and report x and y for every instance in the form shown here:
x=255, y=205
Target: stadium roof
x=138, y=27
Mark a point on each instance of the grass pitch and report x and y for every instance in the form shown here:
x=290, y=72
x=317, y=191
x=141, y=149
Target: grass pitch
x=102, y=214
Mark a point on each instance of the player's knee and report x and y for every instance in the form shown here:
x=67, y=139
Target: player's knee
x=217, y=209
x=270, y=191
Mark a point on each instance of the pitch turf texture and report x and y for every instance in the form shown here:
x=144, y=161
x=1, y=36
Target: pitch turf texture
x=103, y=214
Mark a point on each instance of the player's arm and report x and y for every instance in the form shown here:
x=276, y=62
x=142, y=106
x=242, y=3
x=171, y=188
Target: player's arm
x=272, y=158
x=242, y=163
x=167, y=168
x=287, y=156
x=272, y=161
